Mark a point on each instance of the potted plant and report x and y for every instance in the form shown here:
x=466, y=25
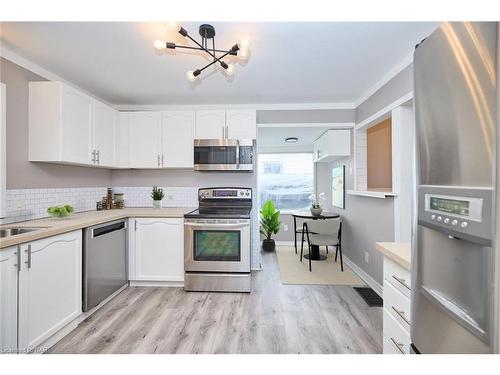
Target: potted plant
x=270, y=224
x=315, y=203
x=157, y=195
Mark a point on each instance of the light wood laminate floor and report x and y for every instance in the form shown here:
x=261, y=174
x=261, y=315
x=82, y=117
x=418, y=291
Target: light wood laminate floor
x=274, y=318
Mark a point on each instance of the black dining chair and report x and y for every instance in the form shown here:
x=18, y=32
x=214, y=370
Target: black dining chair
x=322, y=233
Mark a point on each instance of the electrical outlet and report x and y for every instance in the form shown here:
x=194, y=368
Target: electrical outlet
x=285, y=227
x=367, y=257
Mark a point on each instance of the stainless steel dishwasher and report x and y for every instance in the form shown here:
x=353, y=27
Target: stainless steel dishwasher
x=104, y=261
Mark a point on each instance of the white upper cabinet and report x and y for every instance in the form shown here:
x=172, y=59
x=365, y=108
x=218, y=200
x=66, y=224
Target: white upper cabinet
x=177, y=135
x=144, y=139
x=9, y=268
x=241, y=124
x=60, y=120
x=103, y=151
x=332, y=145
x=210, y=124
x=122, y=141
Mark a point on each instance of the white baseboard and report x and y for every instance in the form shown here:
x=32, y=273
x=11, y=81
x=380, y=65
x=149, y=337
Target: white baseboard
x=56, y=337
x=366, y=278
x=157, y=284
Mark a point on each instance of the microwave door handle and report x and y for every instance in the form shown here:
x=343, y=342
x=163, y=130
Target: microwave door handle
x=237, y=154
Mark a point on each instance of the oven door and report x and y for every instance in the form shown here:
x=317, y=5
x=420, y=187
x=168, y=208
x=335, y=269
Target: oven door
x=217, y=245
x=216, y=154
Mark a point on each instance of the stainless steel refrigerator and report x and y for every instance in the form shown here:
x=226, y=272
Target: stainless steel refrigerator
x=455, y=261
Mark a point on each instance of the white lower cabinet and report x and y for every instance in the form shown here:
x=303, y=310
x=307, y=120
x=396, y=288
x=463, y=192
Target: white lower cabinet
x=9, y=263
x=158, y=250
x=50, y=287
x=396, y=311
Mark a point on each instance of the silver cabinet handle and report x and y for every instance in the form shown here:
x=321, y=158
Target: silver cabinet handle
x=401, y=314
x=401, y=281
x=18, y=253
x=237, y=154
x=162, y=160
x=158, y=160
x=28, y=262
x=398, y=345
x=98, y=156
x=93, y=156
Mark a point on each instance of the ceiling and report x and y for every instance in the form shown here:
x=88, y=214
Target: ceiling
x=289, y=63
x=272, y=139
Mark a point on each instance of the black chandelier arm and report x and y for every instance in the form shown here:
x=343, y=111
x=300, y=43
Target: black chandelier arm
x=174, y=46
x=216, y=59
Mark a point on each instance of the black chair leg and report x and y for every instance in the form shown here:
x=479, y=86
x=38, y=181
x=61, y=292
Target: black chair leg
x=302, y=246
x=327, y=249
x=341, y=262
x=309, y=245
x=336, y=251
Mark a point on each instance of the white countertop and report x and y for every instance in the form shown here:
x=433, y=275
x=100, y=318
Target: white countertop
x=400, y=252
x=52, y=227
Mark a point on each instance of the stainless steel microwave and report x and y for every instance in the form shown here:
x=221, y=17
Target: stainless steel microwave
x=230, y=155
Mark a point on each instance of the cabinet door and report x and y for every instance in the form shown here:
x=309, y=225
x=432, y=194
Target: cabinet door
x=159, y=249
x=50, y=287
x=9, y=262
x=177, y=139
x=122, y=141
x=241, y=124
x=144, y=139
x=76, y=117
x=210, y=124
x=104, y=134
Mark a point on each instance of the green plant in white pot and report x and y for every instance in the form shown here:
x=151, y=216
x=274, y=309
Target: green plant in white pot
x=157, y=195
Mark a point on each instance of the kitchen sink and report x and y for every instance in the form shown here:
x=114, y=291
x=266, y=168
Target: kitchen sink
x=7, y=232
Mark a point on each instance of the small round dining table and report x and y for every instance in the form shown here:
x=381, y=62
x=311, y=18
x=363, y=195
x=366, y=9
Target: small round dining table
x=307, y=215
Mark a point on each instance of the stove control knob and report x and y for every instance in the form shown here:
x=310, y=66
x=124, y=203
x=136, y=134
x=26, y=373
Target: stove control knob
x=464, y=224
x=247, y=193
x=454, y=222
x=446, y=220
x=439, y=219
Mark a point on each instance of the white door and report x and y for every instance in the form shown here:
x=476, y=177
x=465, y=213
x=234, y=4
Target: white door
x=8, y=299
x=210, y=124
x=104, y=134
x=241, y=124
x=144, y=139
x=50, y=287
x=76, y=125
x=159, y=249
x=177, y=139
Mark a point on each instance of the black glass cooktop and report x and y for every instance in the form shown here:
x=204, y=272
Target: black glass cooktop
x=220, y=212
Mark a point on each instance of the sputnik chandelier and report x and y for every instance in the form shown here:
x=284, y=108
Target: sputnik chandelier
x=207, y=33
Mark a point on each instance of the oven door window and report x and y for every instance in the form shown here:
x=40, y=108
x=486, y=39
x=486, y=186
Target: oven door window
x=217, y=245
x=215, y=155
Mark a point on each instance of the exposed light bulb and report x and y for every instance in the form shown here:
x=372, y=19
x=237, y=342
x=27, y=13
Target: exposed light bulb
x=244, y=54
x=244, y=44
x=230, y=69
x=160, y=44
x=190, y=76
x=174, y=26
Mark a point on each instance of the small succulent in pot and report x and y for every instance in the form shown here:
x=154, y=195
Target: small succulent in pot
x=60, y=212
x=316, y=208
x=157, y=195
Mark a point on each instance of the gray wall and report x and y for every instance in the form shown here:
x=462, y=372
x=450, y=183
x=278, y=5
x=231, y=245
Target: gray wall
x=400, y=85
x=365, y=220
x=22, y=174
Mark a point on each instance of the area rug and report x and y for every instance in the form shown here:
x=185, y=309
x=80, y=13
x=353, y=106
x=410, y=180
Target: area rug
x=325, y=272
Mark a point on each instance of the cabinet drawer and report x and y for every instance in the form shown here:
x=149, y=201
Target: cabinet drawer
x=395, y=334
x=397, y=304
x=397, y=276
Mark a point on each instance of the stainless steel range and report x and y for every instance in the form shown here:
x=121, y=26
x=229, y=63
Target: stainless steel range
x=217, y=241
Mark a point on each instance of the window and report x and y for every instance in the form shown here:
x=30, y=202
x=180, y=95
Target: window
x=286, y=179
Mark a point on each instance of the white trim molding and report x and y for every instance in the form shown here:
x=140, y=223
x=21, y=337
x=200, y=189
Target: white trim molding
x=384, y=112
x=363, y=275
x=331, y=125
x=256, y=106
x=385, y=78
